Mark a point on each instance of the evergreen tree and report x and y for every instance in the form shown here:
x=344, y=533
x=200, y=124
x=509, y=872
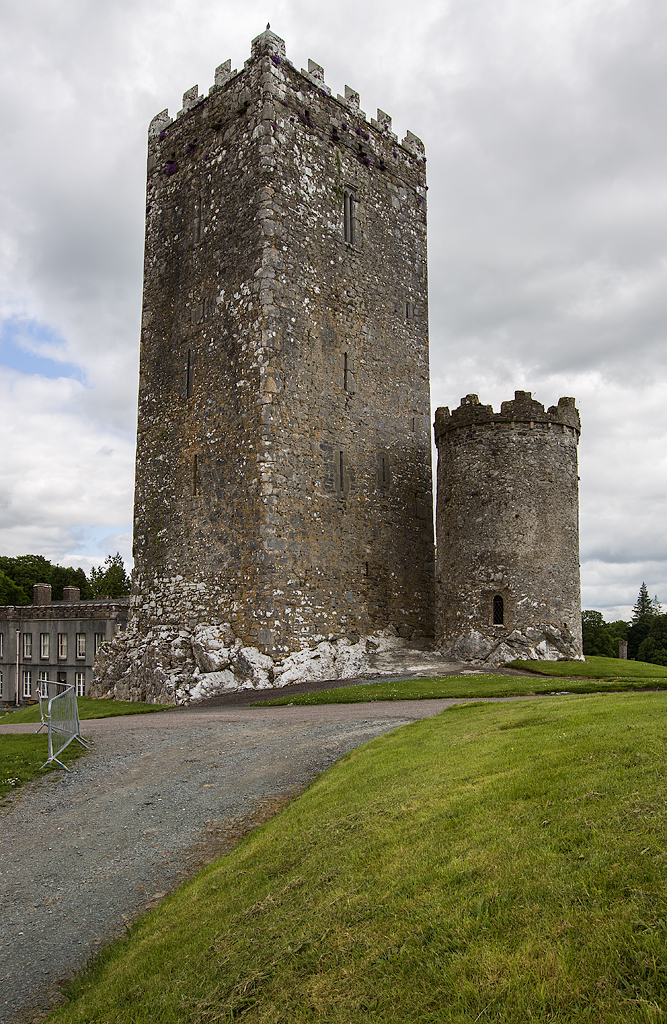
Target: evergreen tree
x=643, y=614
x=643, y=605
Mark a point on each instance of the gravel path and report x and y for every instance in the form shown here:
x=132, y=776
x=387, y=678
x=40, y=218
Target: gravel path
x=82, y=853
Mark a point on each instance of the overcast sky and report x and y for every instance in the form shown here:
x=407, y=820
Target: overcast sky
x=543, y=122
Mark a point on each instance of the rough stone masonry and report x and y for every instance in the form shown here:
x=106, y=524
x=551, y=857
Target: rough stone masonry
x=283, y=473
x=507, y=579
x=283, y=505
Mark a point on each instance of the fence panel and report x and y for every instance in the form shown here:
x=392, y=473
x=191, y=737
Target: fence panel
x=59, y=712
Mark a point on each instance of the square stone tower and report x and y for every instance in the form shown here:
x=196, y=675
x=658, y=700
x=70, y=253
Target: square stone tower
x=283, y=475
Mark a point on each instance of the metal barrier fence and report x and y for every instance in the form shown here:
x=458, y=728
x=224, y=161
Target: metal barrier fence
x=59, y=712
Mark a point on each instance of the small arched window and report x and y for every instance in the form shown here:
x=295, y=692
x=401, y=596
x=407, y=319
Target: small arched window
x=498, y=611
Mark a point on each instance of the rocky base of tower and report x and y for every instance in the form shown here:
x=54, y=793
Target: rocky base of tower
x=493, y=646
x=167, y=665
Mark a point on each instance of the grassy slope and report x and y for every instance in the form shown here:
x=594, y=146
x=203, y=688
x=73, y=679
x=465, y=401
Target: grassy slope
x=598, y=668
x=496, y=863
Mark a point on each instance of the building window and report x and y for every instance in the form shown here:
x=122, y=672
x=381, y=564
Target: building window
x=188, y=374
x=1, y=690
x=43, y=682
x=498, y=611
x=409, y=310
x=99, y=640
x=80, y=680
x=81, y=645
x=61, y=677
x=2, y=644
x=44, y=645
x=341, y=474
x=27, y=645
x=26, y=678
x=350, y=218
x=62, y=645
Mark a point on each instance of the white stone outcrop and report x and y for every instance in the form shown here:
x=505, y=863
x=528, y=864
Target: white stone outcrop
x=168, y=665
x=543, y=642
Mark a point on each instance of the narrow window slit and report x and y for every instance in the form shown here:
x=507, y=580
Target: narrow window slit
x=349, y=217
x=194, y=477
x=345, y=368
x=498, y=611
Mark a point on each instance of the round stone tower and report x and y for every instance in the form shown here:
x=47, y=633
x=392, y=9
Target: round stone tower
x=507, y=530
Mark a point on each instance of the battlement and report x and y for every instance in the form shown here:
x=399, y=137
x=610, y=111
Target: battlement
x=521, y=409
x=270, y=45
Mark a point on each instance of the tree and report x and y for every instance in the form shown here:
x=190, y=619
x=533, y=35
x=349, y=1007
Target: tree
x=110, y=580
x=596, y=636
x=26, y=570
x=654, y=647
x=643, y=613
x=643, y=605
x=10, y=593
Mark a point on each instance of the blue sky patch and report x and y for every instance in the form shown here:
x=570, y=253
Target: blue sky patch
x=20, y=338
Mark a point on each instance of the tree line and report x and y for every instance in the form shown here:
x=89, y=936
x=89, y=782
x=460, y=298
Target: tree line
x=18, y=575
x=646, y=633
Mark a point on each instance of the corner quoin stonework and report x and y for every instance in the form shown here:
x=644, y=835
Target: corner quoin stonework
x=508, y=529
x=283, y=479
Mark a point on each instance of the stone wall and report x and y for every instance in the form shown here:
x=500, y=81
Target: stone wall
x=283, y=480
x=507, y=530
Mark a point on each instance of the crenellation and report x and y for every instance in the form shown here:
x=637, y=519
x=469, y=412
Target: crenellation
x=190, y=99
x=223, y=73
x=414, y=144
x=267, y=44
x=159, y=123
x=521, y=409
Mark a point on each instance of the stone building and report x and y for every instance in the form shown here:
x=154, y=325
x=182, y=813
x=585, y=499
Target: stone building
x=283, y=479
x=507, y=523
x=54, y=640
x=283, y=506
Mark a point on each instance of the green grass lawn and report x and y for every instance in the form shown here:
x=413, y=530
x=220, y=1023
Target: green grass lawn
x=598, y=668
x=489, y=685
x=495, y=863
x=88, y=708
x=22, y=756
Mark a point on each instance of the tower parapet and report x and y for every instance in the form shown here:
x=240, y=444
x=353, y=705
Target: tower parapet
x=507, y=570
x=521, y=409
